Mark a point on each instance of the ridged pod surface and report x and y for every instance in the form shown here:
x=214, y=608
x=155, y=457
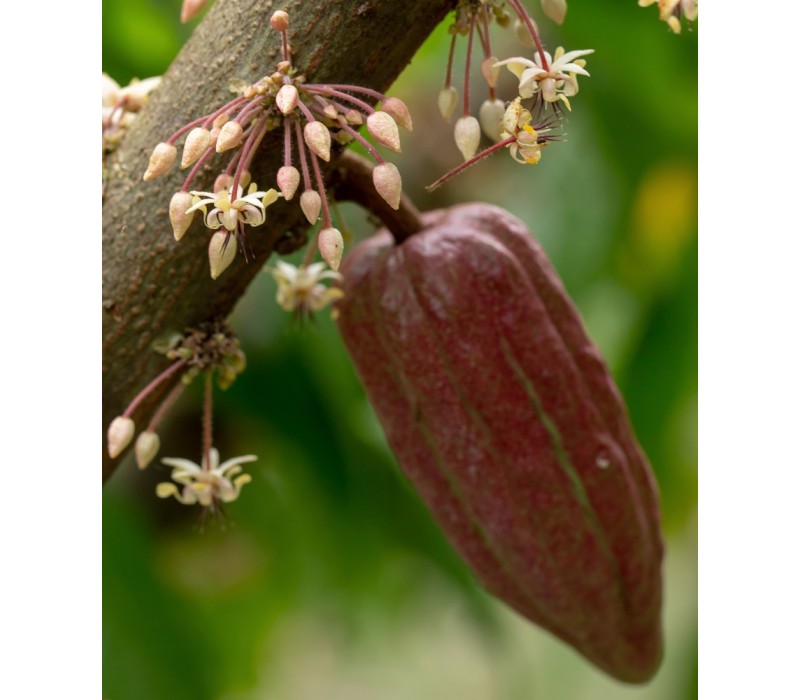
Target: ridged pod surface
x=504, y=416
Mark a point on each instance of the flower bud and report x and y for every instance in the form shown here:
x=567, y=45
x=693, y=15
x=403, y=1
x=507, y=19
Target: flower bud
x=524, y=35
x=310, y=203
x=384, y=130
x=387, y=181
x=318, y=139
x=220, y=255
x=180, y=220
x=491, y=118
x=353, y=116
x=288, y=181
x=146, y=448
x=398, y=110
x=287, y=99
x=279, y=21
x=468, y=136
x=555, y=10
x=230, y=136
x=330, y=112
x=196, y=143
x=120, y=433
x=448, y=97
x=221, y=120
x=161, y=160
x=223, y=183
x=191, y=8
x=331, y=245
x=489, y=71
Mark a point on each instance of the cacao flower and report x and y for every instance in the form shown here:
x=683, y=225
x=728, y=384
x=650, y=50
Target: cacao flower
x=504, y=416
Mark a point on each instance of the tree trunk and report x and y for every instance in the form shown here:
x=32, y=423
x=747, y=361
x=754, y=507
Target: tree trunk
x=153, y=286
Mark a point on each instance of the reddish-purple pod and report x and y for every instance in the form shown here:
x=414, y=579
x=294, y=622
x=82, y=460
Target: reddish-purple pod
x=504, y=416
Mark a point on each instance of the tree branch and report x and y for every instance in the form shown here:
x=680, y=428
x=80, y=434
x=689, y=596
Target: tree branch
x=153, y=286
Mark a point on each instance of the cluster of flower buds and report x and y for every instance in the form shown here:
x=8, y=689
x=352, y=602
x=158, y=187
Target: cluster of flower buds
x=549, y=81
x=121, y=105
x=671, y=11
x=313, y=117
x=210, y=348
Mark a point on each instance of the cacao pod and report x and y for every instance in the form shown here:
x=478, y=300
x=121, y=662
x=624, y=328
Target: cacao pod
x=504, y=416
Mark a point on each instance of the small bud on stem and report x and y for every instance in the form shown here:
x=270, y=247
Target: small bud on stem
x=220, y=255
x=161, y=160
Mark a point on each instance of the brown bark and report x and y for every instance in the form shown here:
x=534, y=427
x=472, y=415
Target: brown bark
x=153, y=286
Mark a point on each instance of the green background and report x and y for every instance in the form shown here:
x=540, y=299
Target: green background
x=328, y=579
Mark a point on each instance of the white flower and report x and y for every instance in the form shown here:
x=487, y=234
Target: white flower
x=248, y=209
x=120, y=104
x=205, y=484
x=301, y=288
x=558, y=82
x=670, y=11
x=528, y=141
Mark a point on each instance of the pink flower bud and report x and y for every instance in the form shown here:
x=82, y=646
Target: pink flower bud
x=146, y=448
x=331, y=245
x=223, y=182
x=120, y=433
x=388, y=183
x=161, y=160
x=353, y=116
x=287, y=99
x=468, y=136
x=196, y=143
x=397, y=109
x=220, y=256
x=279, y=21
x=191, y=8
x=310, y=203
x=489, y=71
x=180, y=220
x=230, y=136
x=384, y=130
x=288, y=181
x=318, y=139
x=221, y=120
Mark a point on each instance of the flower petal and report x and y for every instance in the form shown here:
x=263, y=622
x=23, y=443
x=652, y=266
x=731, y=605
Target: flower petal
x=235, y=461
x=517, y=65
x=180, y=463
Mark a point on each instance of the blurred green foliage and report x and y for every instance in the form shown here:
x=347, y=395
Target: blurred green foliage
x=329, y=579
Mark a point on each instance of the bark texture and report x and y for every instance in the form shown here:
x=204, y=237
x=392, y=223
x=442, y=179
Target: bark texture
x=153, y=286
